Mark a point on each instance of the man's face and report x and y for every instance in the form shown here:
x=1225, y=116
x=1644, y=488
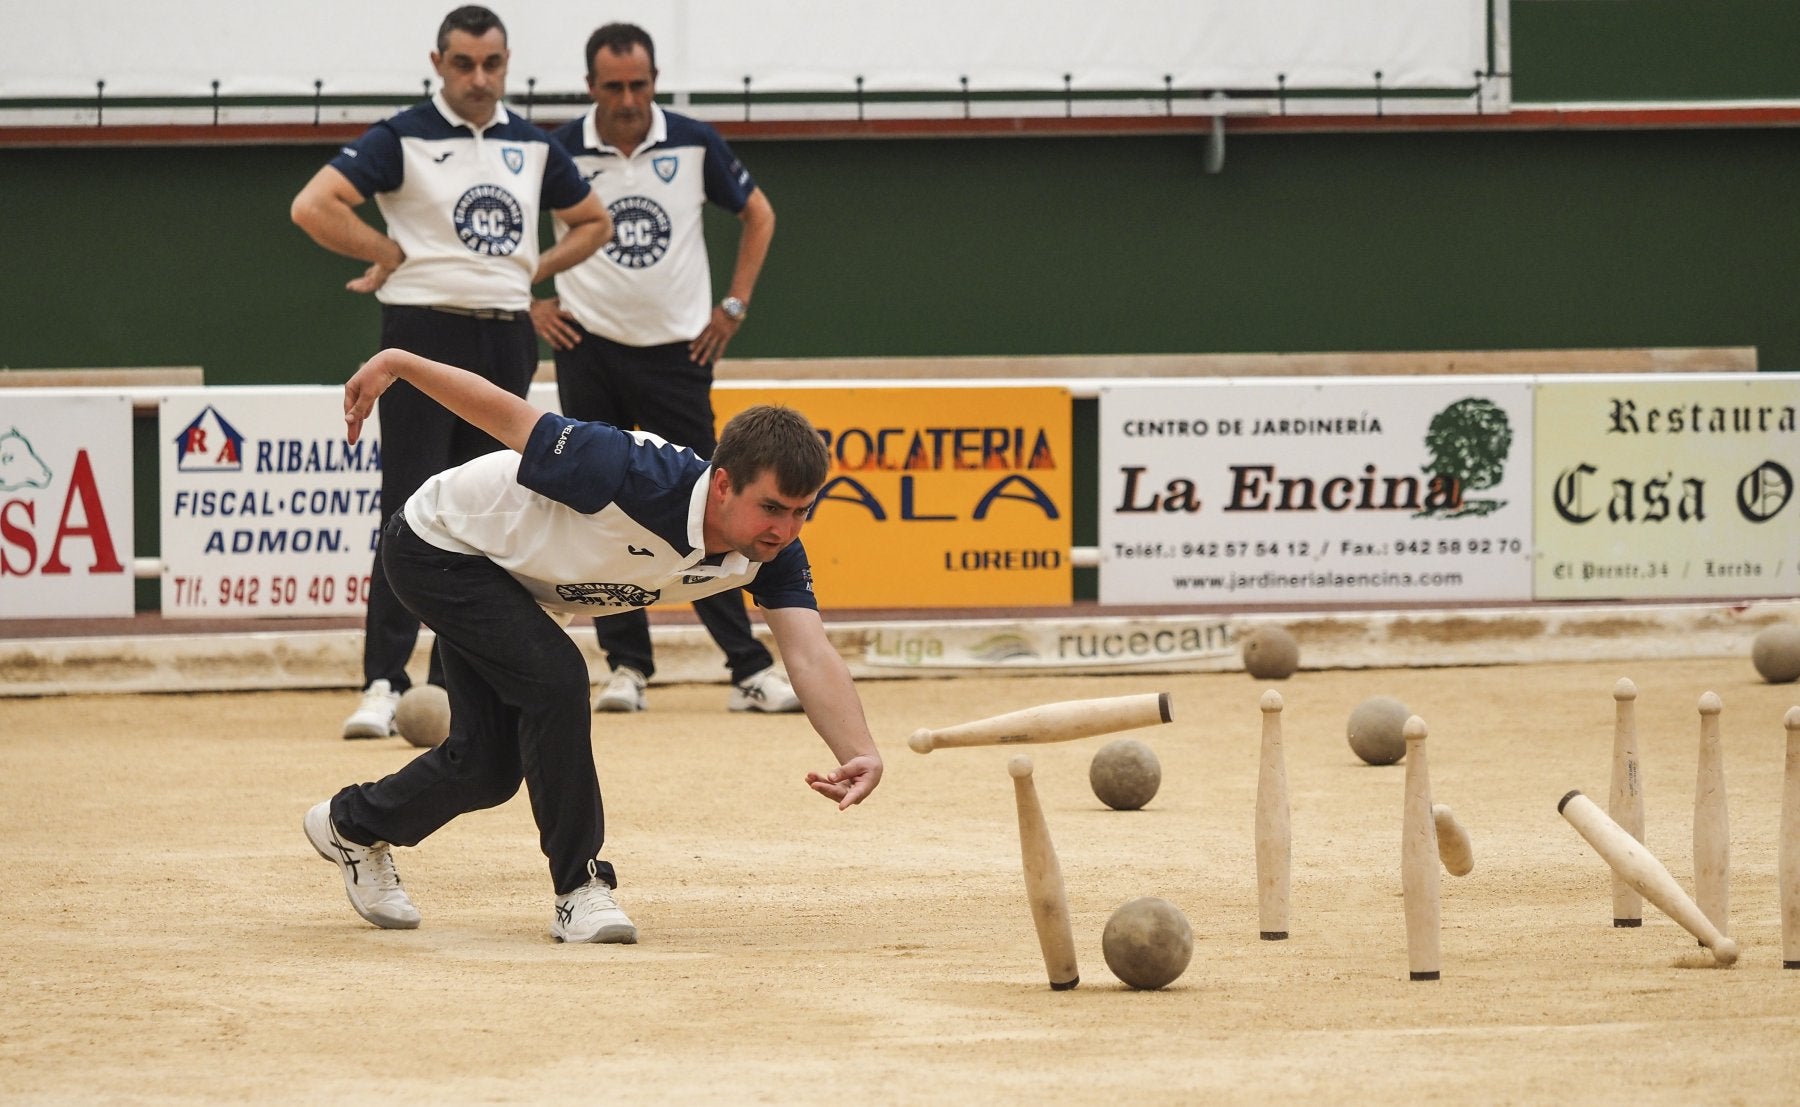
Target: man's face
x=474, y=73
x=623, y=85
x=756, y=520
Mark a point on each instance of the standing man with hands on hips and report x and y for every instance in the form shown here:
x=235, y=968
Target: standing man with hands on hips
x=460, y=182
x=634, y=328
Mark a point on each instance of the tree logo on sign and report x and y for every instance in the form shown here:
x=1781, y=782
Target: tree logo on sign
x=1469, y=442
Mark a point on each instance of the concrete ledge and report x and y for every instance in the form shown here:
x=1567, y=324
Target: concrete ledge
x=1362, y=640
x=157, y=376
x=849, y=370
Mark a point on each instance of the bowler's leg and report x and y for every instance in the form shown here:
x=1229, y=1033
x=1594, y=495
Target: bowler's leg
x=521, y=684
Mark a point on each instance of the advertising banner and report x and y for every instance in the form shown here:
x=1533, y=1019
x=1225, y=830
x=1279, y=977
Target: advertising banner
x=938, y=497
x=1668, y=487
x=266, y=509
x=1029, y=644
x=1338, y=490
x=65, y=505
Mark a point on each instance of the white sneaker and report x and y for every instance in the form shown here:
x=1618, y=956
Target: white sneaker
x=375, y=718
x=369, y=876
x=624, y=692
x=590, y=914
x=768, y=691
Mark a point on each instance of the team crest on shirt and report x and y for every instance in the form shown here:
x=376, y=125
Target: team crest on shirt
x=489, y=220
x=607, y=595
x=641, y=230
x=513, y=157
x=666, y=167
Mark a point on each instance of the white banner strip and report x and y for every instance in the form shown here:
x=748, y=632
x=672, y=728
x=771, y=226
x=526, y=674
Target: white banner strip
x=687, y=654
x=160, y=48
x=1048, y=644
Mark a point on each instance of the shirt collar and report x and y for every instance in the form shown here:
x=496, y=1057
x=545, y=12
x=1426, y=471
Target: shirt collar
x=658, y=134
x=734, y=563
x=450, y=116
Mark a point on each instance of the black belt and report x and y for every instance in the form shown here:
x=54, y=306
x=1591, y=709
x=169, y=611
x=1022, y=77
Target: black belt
x=492, y=314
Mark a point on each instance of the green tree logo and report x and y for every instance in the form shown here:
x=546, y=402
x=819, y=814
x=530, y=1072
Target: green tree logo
x=1469, y=441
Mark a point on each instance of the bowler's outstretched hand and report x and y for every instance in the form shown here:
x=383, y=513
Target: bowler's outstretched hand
x=360, y=393
x=849, y=783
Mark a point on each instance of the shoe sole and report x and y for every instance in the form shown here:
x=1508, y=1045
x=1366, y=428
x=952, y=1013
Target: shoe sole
x=311, y=836
x=748, y=707
x=614, y=707
x=614, y=935
x=354, y=731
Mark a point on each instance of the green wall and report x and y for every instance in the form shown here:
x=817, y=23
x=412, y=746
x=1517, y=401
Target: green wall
x=1576, y=50
x=178, y=256
x=160, y=256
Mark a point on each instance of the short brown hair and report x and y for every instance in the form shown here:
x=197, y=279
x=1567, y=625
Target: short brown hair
x=619, y=38
x=770, y=436
x=471, y=19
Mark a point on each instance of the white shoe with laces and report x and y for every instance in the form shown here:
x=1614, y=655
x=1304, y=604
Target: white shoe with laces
x=375, y=717
x=768, y=691
x=624, y=692
x=369, y=876
x=590, y=914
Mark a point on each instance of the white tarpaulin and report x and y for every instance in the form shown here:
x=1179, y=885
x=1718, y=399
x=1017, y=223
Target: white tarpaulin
x=163, y=49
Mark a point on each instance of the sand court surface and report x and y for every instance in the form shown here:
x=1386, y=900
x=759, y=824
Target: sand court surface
x=168, y=935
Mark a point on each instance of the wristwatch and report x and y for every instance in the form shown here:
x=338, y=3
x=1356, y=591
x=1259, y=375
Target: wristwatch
x=734, y=308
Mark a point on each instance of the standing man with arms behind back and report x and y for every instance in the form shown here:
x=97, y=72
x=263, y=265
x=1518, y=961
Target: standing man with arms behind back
x=459, y=181
x=635, y=330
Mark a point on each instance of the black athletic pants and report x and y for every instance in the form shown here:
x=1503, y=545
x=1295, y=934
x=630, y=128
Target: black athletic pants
x=661, y=390
x=420, y=439
x=518, y=713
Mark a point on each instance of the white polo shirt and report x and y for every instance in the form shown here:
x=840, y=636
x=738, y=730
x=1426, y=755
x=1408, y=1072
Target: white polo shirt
x=593, y=520
x=462, y=201
x=652, y=283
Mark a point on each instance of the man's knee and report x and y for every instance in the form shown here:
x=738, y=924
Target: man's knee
x=490, y=780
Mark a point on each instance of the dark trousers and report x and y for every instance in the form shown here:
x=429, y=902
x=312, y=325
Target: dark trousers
x=518, y=689
x=420, y=439
x=661, y=390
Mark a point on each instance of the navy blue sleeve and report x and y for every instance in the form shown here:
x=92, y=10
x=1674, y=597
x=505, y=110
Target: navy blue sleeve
x=568, y=136
x=563, y=186
x=579, y=464
x=785, y=581
x=728, y=183
x=372, y=163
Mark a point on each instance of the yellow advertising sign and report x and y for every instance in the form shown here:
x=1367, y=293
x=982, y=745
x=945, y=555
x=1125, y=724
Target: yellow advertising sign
x=938, y=497
x=1667, y=487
